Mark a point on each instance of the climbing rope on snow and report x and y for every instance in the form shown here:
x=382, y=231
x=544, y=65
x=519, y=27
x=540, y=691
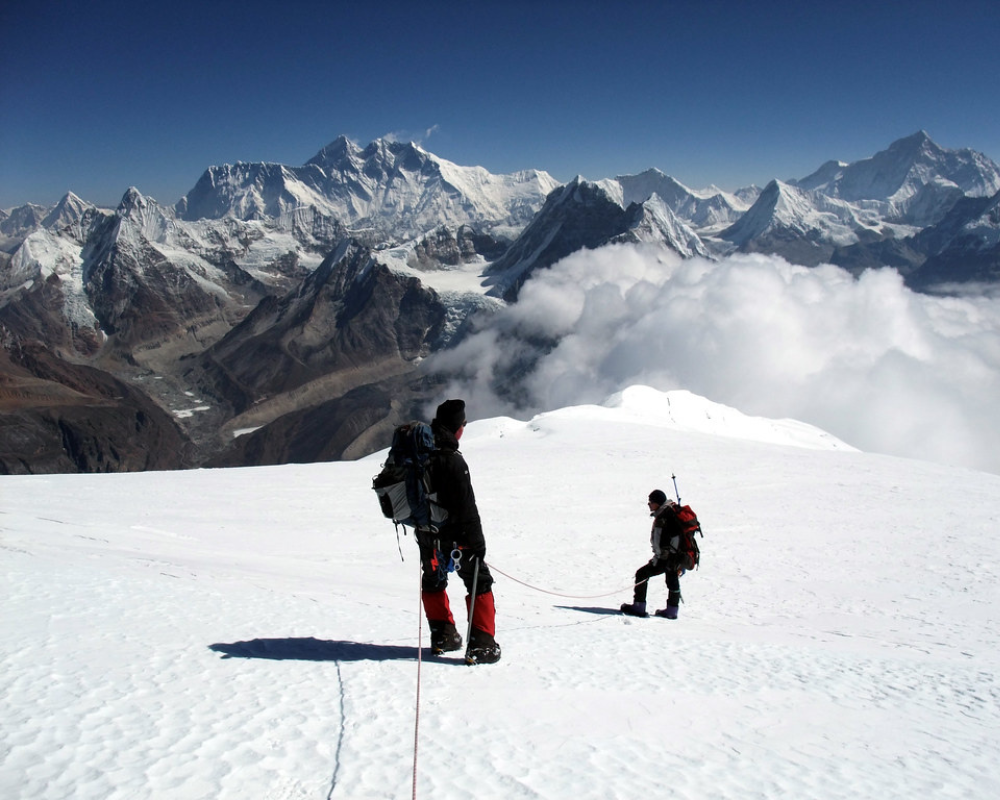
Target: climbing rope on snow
x=420, y=633
x=560, y=594
x=420, y=647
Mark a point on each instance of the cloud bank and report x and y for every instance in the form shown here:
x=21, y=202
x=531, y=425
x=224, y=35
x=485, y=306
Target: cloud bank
x=883, y=368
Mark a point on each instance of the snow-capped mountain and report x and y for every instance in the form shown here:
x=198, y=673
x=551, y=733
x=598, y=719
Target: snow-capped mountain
x=706, y=209
x=69, y=213
x=896, y=193
x=144, y=287
x=577, y=215
x=583, y=214
x=964, y=248
x=871, y=204
x=900, y=173
x=147, y=291
x=803, y=226
x=18, y=223
x=658, y=224
x=399, y=190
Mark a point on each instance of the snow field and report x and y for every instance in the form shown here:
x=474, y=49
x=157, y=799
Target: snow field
x=252, y=633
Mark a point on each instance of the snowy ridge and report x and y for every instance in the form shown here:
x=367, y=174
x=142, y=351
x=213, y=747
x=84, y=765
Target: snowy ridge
x=42, y=256
x=388, y=186
x=898, y=173
x=785, y=207
x=659, y=225
x=685, y=411
x=263, y=216
x=985, y=230
x=677, y=410
x=681, y=410
x=253, y=632
x=707, y=208
x=68, y=213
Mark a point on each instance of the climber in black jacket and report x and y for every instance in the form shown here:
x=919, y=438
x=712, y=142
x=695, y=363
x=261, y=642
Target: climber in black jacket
x=460, y=535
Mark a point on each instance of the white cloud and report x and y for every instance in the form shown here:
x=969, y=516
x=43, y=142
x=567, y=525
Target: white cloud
x=406, y=136
x=881, y=367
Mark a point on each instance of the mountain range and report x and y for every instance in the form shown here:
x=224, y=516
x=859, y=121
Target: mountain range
x=281, y=313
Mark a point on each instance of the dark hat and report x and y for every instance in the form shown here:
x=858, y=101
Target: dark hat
x=451, y=414
x=657, y=496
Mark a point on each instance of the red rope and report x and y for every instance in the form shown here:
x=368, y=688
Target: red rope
x=416, y=721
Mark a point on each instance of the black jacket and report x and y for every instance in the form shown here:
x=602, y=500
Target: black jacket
x=450, y=479
x=666, y=533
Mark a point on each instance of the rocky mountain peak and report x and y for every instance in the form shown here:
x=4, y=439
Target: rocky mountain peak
x=132, y=202
x=294, y=288
x=335, y=154
x=915, y=145
x=897, y=173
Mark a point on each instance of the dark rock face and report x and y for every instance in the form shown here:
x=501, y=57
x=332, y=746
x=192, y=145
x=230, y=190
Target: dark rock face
x=38, y=315
x=351, y=318
x=138, y=295
x=451, y=248
x=963, y=248
x=357, y=423
x=61, y=417
x=575, y=216
x=891, y=252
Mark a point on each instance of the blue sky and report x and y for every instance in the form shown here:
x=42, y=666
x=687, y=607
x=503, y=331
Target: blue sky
x=100, y=96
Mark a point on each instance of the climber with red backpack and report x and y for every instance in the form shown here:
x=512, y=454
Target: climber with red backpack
x=675, y=551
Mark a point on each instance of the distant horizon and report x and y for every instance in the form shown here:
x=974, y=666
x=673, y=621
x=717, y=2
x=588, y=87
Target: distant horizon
x=362, y=145
x=108, y=95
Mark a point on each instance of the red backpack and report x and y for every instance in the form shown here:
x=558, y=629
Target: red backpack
x=687, y=546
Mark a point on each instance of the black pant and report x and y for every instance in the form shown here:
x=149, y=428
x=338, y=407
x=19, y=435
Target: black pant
x=436, y=555
x=658, y=566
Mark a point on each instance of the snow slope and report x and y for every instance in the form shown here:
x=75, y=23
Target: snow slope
x=252, y=633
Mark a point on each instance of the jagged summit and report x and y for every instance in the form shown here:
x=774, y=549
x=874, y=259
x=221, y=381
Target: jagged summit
x=68, y=211
x=147, y=289
x=397, y=189
x=342, y=151
x=132, y=199
x=333, y=152
x=702, y=209
x=638, y=188
x=919, y=142
x=898, y=173
x=585, y=214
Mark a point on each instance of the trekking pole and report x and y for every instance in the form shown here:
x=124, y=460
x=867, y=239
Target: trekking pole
x=472, y=607
x=674, y=477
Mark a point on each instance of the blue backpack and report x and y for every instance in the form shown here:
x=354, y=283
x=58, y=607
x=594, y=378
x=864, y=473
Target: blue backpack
x=404, y=486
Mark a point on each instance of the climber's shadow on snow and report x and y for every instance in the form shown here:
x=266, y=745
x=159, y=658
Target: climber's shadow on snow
x=310, y=649
x=592, y=609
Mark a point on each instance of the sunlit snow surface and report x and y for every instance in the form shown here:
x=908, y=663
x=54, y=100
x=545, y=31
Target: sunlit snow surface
x=252, y=633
